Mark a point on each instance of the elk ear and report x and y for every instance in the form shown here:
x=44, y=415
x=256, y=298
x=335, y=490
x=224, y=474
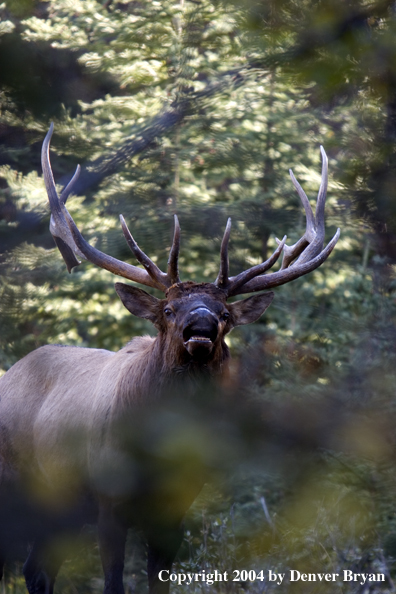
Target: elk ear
x=249, y=310
x=138, y=302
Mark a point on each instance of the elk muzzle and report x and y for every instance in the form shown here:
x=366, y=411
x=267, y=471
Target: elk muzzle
x=200, y=332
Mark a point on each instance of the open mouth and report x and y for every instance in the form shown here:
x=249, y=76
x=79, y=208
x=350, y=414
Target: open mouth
x=199, y=335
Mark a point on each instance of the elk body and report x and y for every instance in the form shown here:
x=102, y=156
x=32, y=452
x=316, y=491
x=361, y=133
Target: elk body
x=67, y=413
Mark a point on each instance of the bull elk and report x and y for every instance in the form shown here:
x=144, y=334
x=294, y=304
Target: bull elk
x=57, y=393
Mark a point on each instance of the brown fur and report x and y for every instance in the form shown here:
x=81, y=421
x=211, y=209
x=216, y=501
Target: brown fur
x=61, y=408
x=59, y=391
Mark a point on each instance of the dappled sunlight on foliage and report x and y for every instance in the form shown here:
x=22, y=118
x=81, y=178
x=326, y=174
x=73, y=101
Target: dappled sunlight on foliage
x=200, y=108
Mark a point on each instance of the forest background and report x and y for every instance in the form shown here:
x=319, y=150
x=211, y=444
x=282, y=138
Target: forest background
x=200, y=108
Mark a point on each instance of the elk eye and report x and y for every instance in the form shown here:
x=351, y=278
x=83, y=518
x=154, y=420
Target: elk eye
x=225, y=316
x=167, y=311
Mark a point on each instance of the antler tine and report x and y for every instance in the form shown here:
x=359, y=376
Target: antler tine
x=173, y=270
x=322, y=194
x=47, y=171
x=67, y=190
x=292, y=252
x=275, y=279
x=238, y=281
x=67, y=253
x=160, y=278
x=69, y=239
x=309, y=248
x=58, y=226
x=310, y=226
x=222, y=278
x=316, y=244
x=107, y=262
x=321, y=202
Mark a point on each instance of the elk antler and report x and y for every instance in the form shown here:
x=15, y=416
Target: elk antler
x=70, y=241
x=299, y=259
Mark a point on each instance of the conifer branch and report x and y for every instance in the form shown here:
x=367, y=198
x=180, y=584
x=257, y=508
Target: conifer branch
x=94, y=172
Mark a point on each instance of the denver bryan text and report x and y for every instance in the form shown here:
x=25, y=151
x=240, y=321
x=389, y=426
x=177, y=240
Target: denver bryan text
x=346, y=576
x=293, y=575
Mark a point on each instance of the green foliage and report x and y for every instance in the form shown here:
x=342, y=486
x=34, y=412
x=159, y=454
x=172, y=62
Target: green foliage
x=200, y=108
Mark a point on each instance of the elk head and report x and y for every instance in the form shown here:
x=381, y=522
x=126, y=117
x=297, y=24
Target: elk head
x=197, y=313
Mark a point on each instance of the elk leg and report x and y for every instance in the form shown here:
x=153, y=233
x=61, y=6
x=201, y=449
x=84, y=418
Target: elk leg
x=41, y=568
x=45, y=557
x=112, y=538
x=162, y=551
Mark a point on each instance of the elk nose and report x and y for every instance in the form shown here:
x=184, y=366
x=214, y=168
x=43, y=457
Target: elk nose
x=203, y=322
x=200, y=331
